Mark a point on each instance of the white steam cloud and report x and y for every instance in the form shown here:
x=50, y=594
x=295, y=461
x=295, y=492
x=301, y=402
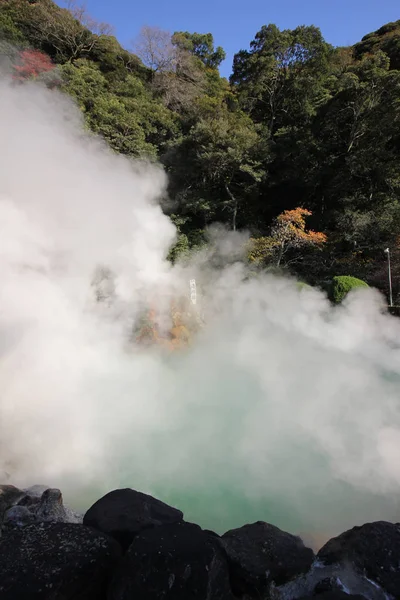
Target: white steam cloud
x=282, y=408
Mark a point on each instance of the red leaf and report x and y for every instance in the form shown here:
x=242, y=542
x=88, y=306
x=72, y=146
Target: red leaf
x=33, y=63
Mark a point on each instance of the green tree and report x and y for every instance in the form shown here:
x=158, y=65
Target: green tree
x=126, y=116
x=357, y=134
x=215, y=165
x=115, y=62
x=200, y=45
x=9, y=29
x=387, y=39
x=280, y=80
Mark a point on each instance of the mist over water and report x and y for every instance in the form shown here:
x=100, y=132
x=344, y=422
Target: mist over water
x=282, y=409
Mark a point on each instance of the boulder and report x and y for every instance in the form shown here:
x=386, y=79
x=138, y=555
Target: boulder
x=329, y=581
x=18, y=516
x=35, y=505
x=373, y=551
x=56, y=561
x=36, y=491
x=173, y=562
x=260, y=555
x=9, y=496
x=125, y=513
x=51, y=508
x=32, y=495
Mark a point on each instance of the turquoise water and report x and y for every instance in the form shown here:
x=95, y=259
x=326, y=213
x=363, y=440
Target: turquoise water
x=195, y=459
x=221, y=507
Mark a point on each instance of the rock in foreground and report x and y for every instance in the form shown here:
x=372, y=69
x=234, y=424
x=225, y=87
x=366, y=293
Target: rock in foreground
x=261, y=554
x=56, y=561
x=373, y=550
x=9, y=497
x=334, y=595
x=38, y=504
x=42, y=557
x=173, y=562
x=125, y=513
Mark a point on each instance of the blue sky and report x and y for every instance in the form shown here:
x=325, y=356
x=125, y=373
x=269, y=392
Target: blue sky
x=234, y=22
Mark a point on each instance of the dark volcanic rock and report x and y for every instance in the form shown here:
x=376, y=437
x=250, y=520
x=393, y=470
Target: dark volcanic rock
x=329, y=584
x=19, y=508
x=36, y=491
x=51, y=508
x=334, y=595
x=372, y=549
x=260, y=554
x=9, y=497
x=56, y=561
x=173, y=562
x=18, y=516
x=125, y=513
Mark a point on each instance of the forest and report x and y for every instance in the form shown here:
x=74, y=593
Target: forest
x=300, y=147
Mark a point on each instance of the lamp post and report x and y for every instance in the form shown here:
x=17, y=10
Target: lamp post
x=390, y=277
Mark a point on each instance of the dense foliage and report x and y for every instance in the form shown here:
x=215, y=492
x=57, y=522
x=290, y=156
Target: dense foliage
x=301, y=131
x=342, y=285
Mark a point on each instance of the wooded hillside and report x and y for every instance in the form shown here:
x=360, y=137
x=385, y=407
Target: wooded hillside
x=301, y=146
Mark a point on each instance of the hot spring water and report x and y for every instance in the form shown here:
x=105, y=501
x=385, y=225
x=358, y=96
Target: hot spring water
x=201, y=466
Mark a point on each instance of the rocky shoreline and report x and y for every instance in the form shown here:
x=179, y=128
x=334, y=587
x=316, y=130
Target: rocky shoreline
x=131, y=546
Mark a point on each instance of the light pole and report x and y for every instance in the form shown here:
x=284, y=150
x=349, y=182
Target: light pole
x=390, y=277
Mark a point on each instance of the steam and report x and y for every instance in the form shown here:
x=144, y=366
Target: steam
x=283, y=408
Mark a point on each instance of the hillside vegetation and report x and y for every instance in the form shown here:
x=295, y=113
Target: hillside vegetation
x=301, y=146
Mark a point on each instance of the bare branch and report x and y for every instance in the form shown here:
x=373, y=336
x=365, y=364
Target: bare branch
x=71, y=31
x=80, y=13
x=154, y=47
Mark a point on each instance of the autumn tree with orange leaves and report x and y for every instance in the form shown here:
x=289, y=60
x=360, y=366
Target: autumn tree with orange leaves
x=288, y=233
x=184, y=323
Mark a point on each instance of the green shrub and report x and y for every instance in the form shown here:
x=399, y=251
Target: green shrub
x=9, y=30
x=180, y=249
x=301, y=285
x=342, y=285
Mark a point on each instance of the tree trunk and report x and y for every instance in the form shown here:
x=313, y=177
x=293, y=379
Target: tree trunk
x=234, y=208
x=280, y=255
